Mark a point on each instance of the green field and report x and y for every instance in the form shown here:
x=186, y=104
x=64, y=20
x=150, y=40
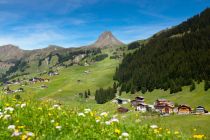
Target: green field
x=65, y=88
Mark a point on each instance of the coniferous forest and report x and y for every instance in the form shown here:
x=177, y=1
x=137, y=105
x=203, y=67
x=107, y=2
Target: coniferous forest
x=171, y=59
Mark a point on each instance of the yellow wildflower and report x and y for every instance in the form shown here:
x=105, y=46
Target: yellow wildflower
x=176, y=132
x=91, y=114
x=7, y=104
x=21, y=127
x=168, y=132
x=198, y=136
x=57, y=124
x=156, y=131
x=24, y=137
x=117, y=131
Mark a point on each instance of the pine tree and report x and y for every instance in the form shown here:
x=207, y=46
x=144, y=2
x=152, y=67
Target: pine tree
x=192, y=87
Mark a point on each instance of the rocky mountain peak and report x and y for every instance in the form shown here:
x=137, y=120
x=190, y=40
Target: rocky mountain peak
x=107, y=39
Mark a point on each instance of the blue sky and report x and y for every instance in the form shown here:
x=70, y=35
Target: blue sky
x=32, y=24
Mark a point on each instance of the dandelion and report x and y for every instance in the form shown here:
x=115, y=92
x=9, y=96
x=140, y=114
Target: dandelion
x=117, y=131
x=168, y=132
x=176, y=132
x=11, y=127
x=153, y=126
x=23, y=105
x=198, y=136
x=81, y=114
x=21, y=127
x=91, y=114
x=24, y=137
x=87, y=110
x=156, y=131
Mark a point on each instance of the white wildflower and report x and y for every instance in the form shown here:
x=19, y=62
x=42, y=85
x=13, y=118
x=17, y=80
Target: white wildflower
x=56, y=106
x=58, y=127
x=107, y=122
x=9, y=109
x=16, y=134
x=6, y=117
x=30, y=134
x=81, y=114
x=11, y=127
x=52, y=121
x=23, y=105
x=153, y=126
x=87, y=110
x=124, y=134
x=114, y=120
x=97, y=121
x=104, y=114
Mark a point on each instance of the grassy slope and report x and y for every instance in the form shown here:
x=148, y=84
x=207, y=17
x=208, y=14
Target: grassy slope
x=66, y=88
x=194, y=98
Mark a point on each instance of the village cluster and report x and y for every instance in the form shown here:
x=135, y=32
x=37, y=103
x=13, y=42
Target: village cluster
x=33, y=80
x=162, y=106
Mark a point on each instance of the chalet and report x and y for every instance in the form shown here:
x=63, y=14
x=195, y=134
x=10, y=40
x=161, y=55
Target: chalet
x=53, y=73
x=137, y=101
x=164, y=106
x=184, y=109
x=140, y=99
x=35, y=80
x=142, y=107
x=44, y=86
x=121, y=101
x=122, y=110
x=200, y=110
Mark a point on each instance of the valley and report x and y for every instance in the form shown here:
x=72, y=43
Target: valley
x=153, y=89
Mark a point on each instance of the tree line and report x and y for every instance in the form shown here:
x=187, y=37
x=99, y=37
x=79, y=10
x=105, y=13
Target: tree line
x=174, y=58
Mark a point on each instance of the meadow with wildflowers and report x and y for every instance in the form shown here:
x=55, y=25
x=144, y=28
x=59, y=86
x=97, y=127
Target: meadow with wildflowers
x=27, y=120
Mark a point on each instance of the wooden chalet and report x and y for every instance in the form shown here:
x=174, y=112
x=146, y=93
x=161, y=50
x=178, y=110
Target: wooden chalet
x=184, y=109
x=137, y=101
x=164, y=106
x=122, y=110
x=142, y=107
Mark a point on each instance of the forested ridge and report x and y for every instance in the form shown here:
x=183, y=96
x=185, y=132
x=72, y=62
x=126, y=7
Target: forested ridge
x=171, y=59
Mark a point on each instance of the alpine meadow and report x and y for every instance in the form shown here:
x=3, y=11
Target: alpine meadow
x=114, y=69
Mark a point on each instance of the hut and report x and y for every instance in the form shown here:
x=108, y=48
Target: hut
x=122, y=110
x=184, y=109
x=137, y=101
x=200, y=110
x=142, y=107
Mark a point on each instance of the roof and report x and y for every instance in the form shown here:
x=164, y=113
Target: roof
x=200, y=107
x=162, y=100
x=184, y=105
